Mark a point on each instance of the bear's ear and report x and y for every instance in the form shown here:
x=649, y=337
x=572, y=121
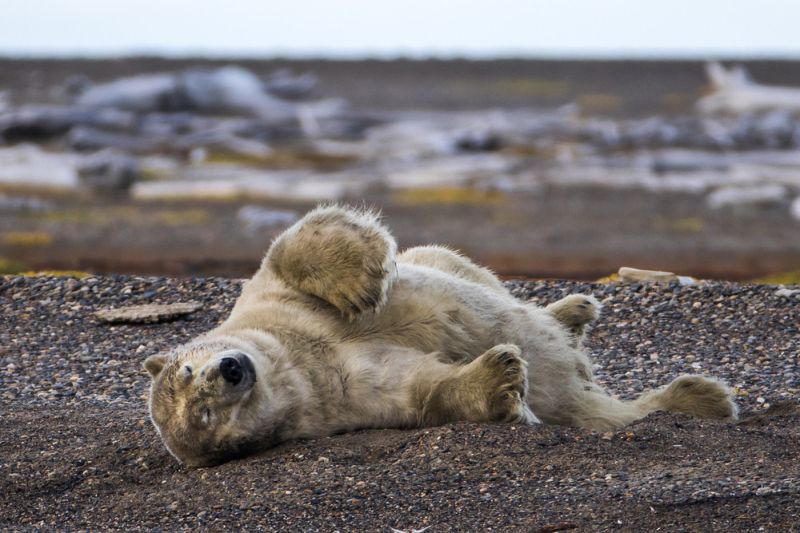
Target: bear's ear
x=155, y=364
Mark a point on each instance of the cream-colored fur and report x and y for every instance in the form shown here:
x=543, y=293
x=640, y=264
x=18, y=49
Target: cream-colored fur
x=336, y=333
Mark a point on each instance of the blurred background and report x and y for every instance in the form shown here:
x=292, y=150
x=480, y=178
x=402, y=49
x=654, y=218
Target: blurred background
x=544, y=139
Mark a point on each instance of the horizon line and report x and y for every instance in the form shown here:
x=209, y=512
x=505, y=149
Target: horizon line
x=565, y=54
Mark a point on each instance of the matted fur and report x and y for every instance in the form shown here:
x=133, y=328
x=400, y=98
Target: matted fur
x=341, y=334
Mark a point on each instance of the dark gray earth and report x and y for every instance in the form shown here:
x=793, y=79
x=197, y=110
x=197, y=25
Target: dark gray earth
x=77, y=450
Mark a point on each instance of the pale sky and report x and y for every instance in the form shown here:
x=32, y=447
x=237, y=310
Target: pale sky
x=416, y=28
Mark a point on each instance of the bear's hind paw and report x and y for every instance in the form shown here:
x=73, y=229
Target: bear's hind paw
x=505, y=375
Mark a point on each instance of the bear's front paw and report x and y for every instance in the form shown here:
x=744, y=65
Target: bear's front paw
x=576, y=310
x=342, y=256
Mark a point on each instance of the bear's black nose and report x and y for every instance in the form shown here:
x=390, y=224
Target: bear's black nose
x=231, y=370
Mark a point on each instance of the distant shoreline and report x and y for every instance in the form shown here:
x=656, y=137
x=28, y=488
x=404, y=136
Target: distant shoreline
x=401, y=58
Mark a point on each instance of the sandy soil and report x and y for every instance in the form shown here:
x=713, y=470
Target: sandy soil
x=77, y=450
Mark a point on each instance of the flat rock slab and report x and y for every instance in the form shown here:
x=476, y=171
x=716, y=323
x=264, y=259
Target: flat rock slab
x=78, y=451
x=147, y=313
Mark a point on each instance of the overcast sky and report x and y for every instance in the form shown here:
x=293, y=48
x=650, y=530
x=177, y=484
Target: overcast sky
x=378, y=28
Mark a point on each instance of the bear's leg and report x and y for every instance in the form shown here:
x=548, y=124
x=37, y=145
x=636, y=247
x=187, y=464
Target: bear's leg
x=343, y=256
x=576, y=313
x=492, y=387
x=698, y=396
x=451, y=262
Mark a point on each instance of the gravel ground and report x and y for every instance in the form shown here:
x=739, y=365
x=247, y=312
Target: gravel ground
x=77, y=452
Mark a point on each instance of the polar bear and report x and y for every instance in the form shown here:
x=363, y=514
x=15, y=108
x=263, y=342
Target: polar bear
x=337, y=332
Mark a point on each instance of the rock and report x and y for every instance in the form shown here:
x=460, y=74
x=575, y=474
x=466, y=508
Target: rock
x=13, y=203
x=255, y=217
x=30, y=166
x=221, y=141
x=216, y=140
x=37, y=123
x=736, y=93
x=750, y=195
x=214, y=91
x=478, y=141
x=284, y=84
x=635, y=275
x=148, y=92
x=109, y=172
x=788, y=293
x=794, y=209
x=147, y=313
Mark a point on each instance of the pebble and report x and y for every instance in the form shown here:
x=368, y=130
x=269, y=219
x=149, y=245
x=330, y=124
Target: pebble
x=788, y=293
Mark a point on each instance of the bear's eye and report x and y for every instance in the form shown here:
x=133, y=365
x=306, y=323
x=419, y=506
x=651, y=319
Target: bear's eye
x=186, y=374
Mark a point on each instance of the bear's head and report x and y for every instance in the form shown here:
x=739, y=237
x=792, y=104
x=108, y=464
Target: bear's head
x=210, y=400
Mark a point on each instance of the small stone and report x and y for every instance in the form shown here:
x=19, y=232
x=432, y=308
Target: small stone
x=788, y=293
x=636, y=275
x=147, y=313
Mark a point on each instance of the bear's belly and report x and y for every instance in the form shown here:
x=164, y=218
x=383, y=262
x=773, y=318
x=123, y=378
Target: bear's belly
x=431, y=311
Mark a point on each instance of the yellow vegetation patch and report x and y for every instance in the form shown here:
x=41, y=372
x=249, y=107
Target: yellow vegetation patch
x=56, y=274
x=612, y=278
x=534, y=87
x=9, y=266
x=599, y=102
x=131, y=214
x=682, y=225
x=220, y=158
x=64, y=216
x=689, y=224
x=785, y=278
x=40, y=191
x=284, y=159
x=183, y=217
x=156, y=174
x=95, y=215
x=448, y=195
x=225, y=196
x=676, y=102
x=27, y=238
